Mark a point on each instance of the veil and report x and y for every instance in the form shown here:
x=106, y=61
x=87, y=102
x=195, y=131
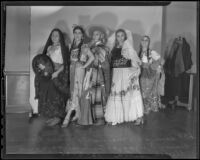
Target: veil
x=128, y=50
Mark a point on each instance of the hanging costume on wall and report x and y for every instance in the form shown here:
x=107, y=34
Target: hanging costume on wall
x=177, y=62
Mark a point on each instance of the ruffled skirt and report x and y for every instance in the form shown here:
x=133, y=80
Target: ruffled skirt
x=125, y=101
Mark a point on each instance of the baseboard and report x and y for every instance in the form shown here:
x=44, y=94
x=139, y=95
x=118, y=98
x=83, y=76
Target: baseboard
x=18, y=108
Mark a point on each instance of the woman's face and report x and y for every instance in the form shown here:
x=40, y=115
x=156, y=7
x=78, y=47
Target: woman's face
x=145, y=42
x=96, y=36
x=55, y=37
x=78, y=35
x=120, y=37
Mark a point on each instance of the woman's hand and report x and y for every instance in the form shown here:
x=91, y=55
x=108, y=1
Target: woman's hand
x=158, y=69
x=54, y=75
x=79, y=65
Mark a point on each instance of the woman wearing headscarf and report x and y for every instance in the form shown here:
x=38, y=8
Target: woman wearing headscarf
x=125, y=100
x=151, y=76
x=96, y=85
x=51, y=80
x=80, y=58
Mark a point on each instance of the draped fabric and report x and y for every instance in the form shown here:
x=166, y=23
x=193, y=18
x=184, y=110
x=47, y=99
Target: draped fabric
x=177, y=62
x=96, y=87
x=77, y=58
x=178, y=58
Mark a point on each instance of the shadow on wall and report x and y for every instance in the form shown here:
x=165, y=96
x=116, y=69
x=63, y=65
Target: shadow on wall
x=137, y=31
x=107, y=20
x=62, y=25
x=110, y=21
x=155, y=34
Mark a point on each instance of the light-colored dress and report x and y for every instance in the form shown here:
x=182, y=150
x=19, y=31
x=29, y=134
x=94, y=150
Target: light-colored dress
x=76, y=78
x=125, y=100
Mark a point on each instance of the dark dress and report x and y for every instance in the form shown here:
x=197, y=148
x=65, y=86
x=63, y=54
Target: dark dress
x=52, y=94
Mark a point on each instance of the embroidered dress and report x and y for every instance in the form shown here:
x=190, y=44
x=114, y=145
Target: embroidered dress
x=149, y=81
x=125, y=100
x=76, y=78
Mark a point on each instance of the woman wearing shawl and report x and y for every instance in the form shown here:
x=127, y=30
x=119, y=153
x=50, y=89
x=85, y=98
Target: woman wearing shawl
x=51, y=80
x=96, y=85
x=80, y=58
x=151, y=81
x=125, y=100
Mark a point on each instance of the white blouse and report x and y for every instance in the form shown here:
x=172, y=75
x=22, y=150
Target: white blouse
x=153, y=56
x=55, y=54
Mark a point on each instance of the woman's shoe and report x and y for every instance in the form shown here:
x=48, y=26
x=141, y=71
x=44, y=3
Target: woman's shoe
x=139, y=121
x=49, y=120
x=74, y=118
x=65, y=123
x=114, y=123
x=54, y=122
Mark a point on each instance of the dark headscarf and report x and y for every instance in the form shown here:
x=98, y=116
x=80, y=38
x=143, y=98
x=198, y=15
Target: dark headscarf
x=64, y=48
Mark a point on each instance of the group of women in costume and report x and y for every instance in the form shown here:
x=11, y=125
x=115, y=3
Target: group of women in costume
x=101, y=81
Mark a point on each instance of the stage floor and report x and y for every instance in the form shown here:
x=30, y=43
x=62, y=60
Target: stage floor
x=171, y=132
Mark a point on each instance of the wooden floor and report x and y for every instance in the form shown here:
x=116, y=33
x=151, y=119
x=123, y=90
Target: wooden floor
x=170, y=132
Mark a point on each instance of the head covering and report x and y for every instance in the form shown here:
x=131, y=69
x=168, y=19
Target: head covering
x=104, y=31
x=128, y=50
x=64, y=48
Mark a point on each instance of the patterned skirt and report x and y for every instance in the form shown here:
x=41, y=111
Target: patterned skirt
x=125, y=101
x=149, y=86
x=92, y=102
x=51, y=102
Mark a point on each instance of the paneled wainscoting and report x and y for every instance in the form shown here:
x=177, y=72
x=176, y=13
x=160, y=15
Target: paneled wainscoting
x=17, y=91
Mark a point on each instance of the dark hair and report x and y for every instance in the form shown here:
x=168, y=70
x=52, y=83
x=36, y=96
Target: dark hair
x=64, y=49
x=80, y=28
x=81, y=43
x=148, y=49
x=116, y=43
x=119, y=30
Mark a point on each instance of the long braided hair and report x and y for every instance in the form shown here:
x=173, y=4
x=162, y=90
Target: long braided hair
x=148, y=49
x=81, y=43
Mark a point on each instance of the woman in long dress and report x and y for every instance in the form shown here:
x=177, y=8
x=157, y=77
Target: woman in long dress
x=80, y=58
x=52, y=89
x=96, y=85
x=125, y=100
x=150, y=76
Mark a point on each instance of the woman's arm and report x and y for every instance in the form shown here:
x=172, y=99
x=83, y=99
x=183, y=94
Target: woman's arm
x=55, y=74
x=90, y=60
